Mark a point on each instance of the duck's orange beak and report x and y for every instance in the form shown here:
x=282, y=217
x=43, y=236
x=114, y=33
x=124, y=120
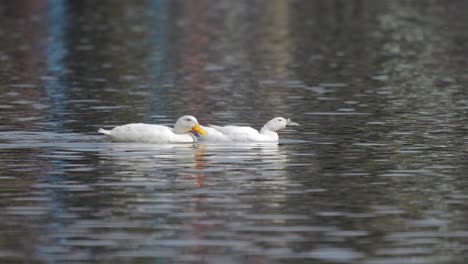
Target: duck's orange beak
x=199, y=130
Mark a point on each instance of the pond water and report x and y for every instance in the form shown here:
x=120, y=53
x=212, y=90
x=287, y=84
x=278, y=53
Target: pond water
x=376, y=173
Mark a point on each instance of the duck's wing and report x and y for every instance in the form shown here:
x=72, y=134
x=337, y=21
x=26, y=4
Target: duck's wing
x=234, y=130
x=142, y=133
x=238, y=133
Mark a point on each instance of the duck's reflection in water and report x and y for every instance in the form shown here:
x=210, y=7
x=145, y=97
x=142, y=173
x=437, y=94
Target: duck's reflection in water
x=239, y=158
x=197, y=195
x=132, y=159
x=179, y=159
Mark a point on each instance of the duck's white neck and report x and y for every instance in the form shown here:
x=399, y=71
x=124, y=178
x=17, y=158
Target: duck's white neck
x=179, y=130
x=269, y=133
x=193, y=137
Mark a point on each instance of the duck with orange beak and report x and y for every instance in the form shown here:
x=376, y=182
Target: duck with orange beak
x=148, y=133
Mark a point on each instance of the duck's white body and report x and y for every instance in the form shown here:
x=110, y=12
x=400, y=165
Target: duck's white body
x=147, y=133
x=246, y=134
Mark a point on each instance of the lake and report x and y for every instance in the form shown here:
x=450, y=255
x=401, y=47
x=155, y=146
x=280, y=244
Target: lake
x=375, y=174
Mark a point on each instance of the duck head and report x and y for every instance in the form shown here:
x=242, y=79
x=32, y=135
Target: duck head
x=186, y=124
x=279, y=123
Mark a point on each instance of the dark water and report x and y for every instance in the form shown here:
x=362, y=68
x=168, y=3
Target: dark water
x=377, y=173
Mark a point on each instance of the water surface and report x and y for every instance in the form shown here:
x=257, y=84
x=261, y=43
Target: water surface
x=375, y=174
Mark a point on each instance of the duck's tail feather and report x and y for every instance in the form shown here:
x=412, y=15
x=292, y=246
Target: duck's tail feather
x=103, y=131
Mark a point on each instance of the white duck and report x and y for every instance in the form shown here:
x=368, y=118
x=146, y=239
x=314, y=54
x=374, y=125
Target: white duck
x=147, y=133
x=246, y=134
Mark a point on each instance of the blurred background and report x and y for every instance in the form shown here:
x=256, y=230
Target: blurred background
x=375, y=174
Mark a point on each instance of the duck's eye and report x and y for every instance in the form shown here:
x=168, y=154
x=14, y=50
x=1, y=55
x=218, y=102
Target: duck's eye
x=188, y=119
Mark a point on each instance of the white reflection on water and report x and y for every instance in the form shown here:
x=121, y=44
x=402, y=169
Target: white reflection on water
x=153, y=164
x=201, y=193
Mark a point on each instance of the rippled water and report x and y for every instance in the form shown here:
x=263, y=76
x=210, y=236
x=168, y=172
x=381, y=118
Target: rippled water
x=375, y=174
